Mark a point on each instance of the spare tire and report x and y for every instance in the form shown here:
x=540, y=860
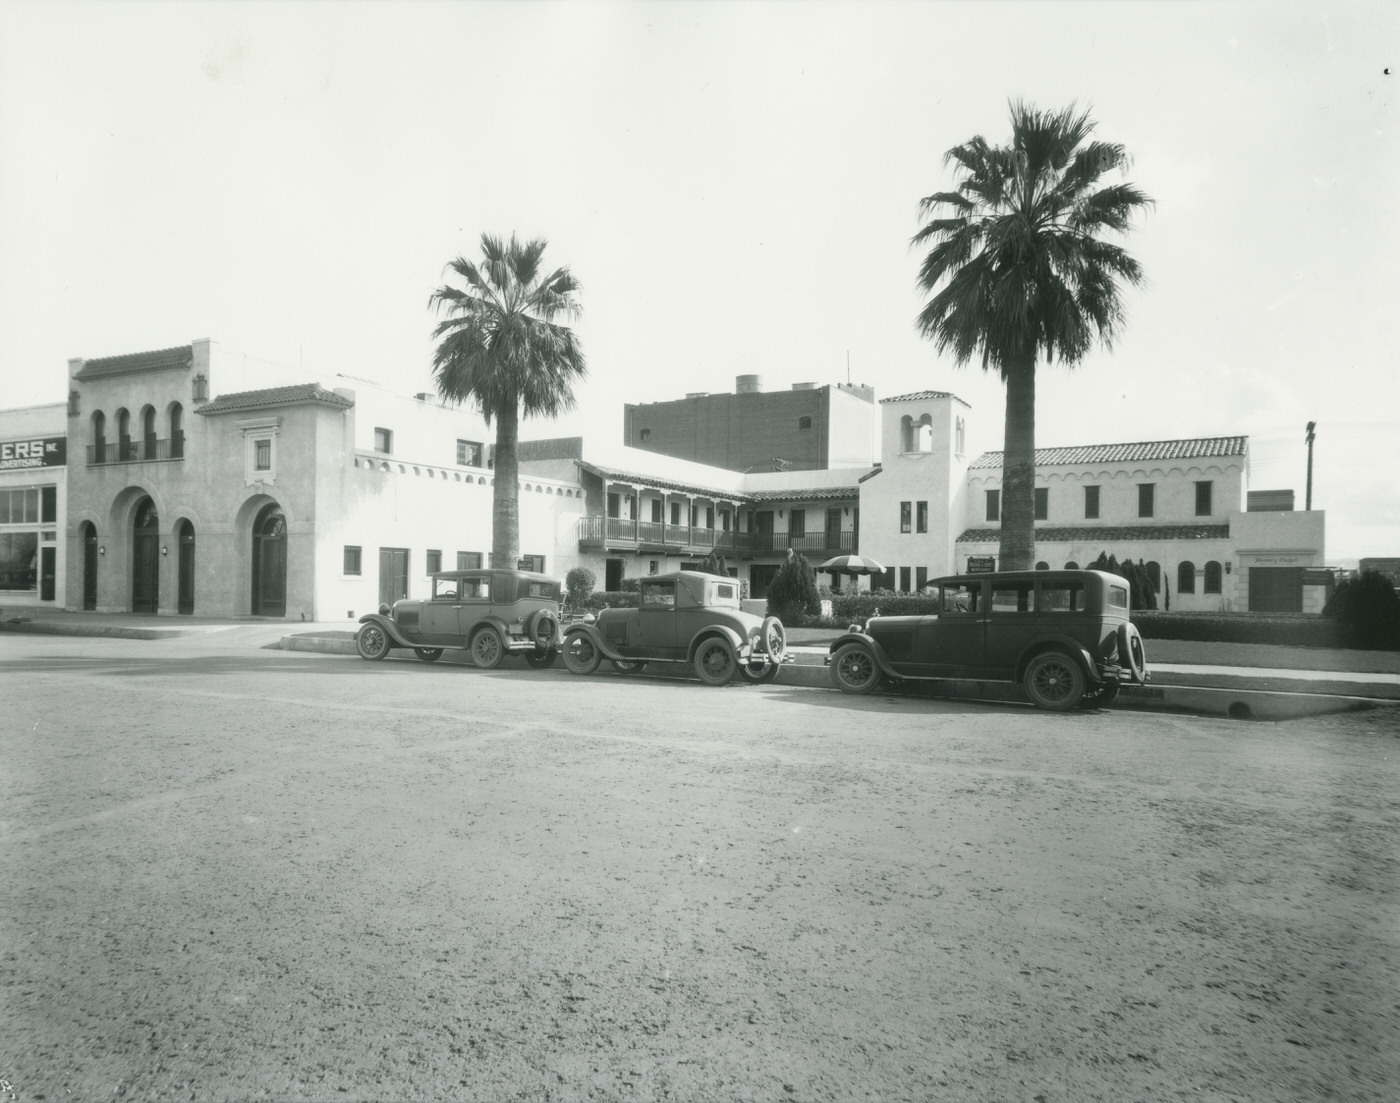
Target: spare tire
x=1131, y=652
x=543, y=628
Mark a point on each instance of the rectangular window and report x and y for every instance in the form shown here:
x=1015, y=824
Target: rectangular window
x=48, y=508
x=1042, y=503
x=904, y=580
x=469, y=453
x=468, y=561
x=1147, y=499
x=675, y=513
x=1012, y=597
x=920, y=577
x=434, y=561
x=262, y=455
x=1203, y=499
x=906, y=516
x=1062, y=597
x=1091, y=501
x=18, y=507
x=352, y=559
x=961, y=597
x=797, y=522
x=656, y=511
x=994, y=505
x=383, y=440
x=19, y=556
x=921, y=518
x=530, y=563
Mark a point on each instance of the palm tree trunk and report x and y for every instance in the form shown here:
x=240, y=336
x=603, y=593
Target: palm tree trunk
x=1017, y=550
x=505, y=502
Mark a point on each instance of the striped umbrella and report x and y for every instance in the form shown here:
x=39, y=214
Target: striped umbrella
x=852, y=565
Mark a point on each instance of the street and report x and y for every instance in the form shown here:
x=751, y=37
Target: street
x=233, y=873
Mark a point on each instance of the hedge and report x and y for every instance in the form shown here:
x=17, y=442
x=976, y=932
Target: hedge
x=1287, y=629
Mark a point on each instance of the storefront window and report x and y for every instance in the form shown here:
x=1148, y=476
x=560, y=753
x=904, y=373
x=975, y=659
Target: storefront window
x=19, y=561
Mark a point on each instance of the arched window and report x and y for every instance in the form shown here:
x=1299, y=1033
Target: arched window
x=1212, y=579
x=1042, y=566
x=1186, y=578
x=1154, y=574
x=1071, y=566
x=924, y=441
x=906, y=434
x=148, y=433
x=99, y=437
x=177, y=431
x=124, y=451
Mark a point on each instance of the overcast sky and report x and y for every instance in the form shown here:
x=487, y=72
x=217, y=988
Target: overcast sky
x=735, y=186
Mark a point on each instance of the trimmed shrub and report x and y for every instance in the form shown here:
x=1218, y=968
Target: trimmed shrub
x=578, y=584
x=793, y=592
x=1366, y=612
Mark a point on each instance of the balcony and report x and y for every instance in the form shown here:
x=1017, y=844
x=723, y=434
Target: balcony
x=621, y=533
x=149, y=450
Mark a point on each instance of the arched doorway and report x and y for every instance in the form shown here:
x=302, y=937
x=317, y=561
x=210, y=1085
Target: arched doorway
x=89, y=566
x=184, y=539
x=270, y=563
x=145, y=559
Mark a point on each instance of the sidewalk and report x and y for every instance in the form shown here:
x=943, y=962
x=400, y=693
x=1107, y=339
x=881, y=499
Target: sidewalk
x=1231, y=671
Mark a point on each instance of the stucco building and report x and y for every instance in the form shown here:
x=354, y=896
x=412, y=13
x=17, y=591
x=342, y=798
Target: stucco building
x=185, y=480
x=190, y=494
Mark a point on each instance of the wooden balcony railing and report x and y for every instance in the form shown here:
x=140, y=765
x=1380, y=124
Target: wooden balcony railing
x=622, y=532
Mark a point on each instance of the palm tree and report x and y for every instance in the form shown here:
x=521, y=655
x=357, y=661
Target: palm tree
x=1019, y=269
x=501, y=348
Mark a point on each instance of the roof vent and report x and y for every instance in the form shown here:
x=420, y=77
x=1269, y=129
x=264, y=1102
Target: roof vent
x=748, y=384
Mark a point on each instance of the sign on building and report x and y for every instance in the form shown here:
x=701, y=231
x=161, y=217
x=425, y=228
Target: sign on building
x=980, y=564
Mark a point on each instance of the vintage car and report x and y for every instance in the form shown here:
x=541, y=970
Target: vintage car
x=490, y=613
x=1066, y=636
x=682, y=617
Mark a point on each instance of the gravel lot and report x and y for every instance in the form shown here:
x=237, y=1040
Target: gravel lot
x=274, y=875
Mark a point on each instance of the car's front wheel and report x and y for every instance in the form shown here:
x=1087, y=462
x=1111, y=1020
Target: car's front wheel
x=542, y=660
x=1054, y=681
x=854, y=669
x=581, y=655
x=715, y=662
x=487, y=648
x=428, y=654
x=372, y=642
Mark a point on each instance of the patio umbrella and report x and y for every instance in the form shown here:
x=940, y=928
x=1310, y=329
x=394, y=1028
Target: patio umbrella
x=852, y=565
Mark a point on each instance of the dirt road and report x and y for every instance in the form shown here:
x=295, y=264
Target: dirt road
x=242, y=875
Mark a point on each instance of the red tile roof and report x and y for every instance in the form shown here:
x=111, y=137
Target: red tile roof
x=917, y=396
x=180, y=356
x=300, y=395
x=1196, y=448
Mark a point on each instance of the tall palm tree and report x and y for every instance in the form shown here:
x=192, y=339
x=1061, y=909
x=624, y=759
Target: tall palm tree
x=1019, y=269
x=501, y=348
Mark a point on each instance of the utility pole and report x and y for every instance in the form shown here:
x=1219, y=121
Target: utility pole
x=1312, y=425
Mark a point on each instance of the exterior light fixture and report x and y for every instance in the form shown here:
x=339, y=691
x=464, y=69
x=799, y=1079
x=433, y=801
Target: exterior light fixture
x=102, y=550
x=164, y=550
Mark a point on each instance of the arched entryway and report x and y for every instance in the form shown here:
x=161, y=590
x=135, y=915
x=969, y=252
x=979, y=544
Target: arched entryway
x=270, y=563
x=184, y=539
x=89, y=533
x=145, y=558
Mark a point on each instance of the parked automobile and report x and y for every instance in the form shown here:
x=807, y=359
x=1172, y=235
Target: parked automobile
x=682, y=617
x=490, y=613
x=1066, y=636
